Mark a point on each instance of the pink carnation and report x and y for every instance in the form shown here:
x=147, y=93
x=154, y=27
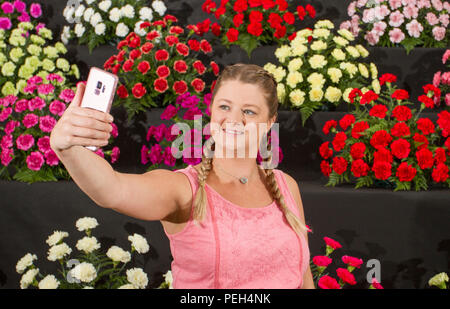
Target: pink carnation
x=20, y=6
x=24, y=17
x=445, y=78
x=7, y=141
x=46, y=89
x=4, y=114
x=21, y=106
x=99, y=152
x=115, y=154
x=395, y=4
x=67, y=95
x=351, y=9
x=332, y=243
x=144, y=154
x=346, y=276
x=439, y=33
x=445, y=56
x=352, y=261
x=368, y=15
x=372, y=38
x=414, y=28
x=46, y=123
x=411, y=12
x=156, y=153
x=115, y=131
x=36, y=103
x=34, y=80
x=10, y=126
x=51, y=158
x=431, y=18
x=44, y=144
x=7, y=7
x=5, y=23
x=327, y=282
x=53, y=76
x=379, y=28
x=381, y=12
x=35, y=161
x=437, y=4
x=57, y=108
x=9, y=100
x=443, y=18
x=7, y=156
x=423, y=4
x=36, y=10
x=30, y=120
x=396, y=35
x=169, y=159
x=447, y=99
x=322, y=260
x=25, y=142
x=396, y=19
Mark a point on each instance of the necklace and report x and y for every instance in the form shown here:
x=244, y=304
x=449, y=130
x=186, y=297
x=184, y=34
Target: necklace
x=243, y=180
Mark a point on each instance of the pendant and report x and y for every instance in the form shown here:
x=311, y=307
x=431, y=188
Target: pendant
x=243, y=180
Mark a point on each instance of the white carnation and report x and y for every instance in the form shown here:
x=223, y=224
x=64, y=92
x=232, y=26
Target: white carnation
x=65, y=35
x=104, y=5
x=95, y=19
x=169, y=278
x=115, y=14
x=89, y=1
x=56, y=237
x=88, y=244
x=138, y=30
x=79, y=30
x=58, y=252
x=88, y=14
x=127, y=286
x=88, y=288
x=49, y=282
x=117, y=254
x=68, y=12
x=128, y=11
x=159, y=7
x=79, y=11
x=139, y=243
x=100, y=29
x=122, y=30
x=86, y=223
x=146, y=13
x=28, y=278
x=137, y=277
x=84, y=272
x=25, y=262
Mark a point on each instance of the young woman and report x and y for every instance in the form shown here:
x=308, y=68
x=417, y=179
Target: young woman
x=231, y=223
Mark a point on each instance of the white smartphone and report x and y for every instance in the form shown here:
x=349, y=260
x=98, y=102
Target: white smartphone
x=99, y=93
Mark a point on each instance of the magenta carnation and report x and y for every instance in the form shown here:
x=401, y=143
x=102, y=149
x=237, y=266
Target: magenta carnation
x=5, y=23
x=30, y=120
x=7, y=7
x=7, y=156
x=25, y=142
x=57, y=108
x=35, y=161
x=21, y=106
x=45, y=89
x=20, y=6
x=44, y=144
x=4, y=114
x=36, y=103
x=24, y=17
x=46, y=123
x=67, y=95
x=36, y=10
x=7, y=141
x=115, y=154
x=51, y=158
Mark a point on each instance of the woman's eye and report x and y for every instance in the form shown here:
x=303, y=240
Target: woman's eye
x=223, y=106
x=247, y=110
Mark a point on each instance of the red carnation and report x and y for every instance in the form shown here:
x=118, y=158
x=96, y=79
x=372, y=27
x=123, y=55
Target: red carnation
x=161, y=85
x=387, y=78
x=322, y=260
x=176, y=30
x=378, y=111
x=147, y=47
x=359, y=128
x=292, y=36
x=139, y=90
x=444, y=123
x=240, y=6
x=346, y=121
x=122, y=44
x=425, y=158
x=238, y=20
x=400, y=94
x=163, y=71
x=216, y=29
x=402, y=113
x=256, y=17
x=182, y=49
x=255, y=29
x=121, y=56
x=368, y=97
x=427, y=101
x=339, y=141
x=128, y=65
x=180, y=66
x=400, y=129
x=332, y=243
x=339, y=165
x=301, y=12
x=215, y=68
x=325, y=168
x=162, y=55
x=380, y=139
x=252, y=3
x=198, y=85
x=152, y=35
x=199, y=67
x=135, y=42
x=401, y=148
x=440, y=173
x=268, y=4
x=232, y=35
x=431, y=88
x=171, y=18
x=327, y=282
x=116, y=69
x=383, y=154
x=219, y=12
x=208, y=6
x=274, y=20
x=420, y=140
x=143, y=67
x=311, y=11
x=425, y=125
x=205, y=46
x=346, y=276
x=180, y=87
x=352, y=261
x=145, y=24
x=325, y=151
x=289, y=18
x=280, y=32
x=447, y=145
x=172, y=40
x=328, y=125
x=203, y=27
x=439, y=155
x=382, y=169
x=405, y=172
x=122, y=92
x=360, y=168
x=194, y=45
x=135, y=54
x=355, y=92
x=357, y=150
x=282, y=5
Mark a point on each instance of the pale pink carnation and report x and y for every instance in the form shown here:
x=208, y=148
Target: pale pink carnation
x=443, y=18
x=381, y=12
x=351, y=9
x=7, y=141
x=57, y=108
x=396, y=19
x=368, y=15
x=439, y=33
x=437, y=4
x=51, y=158
x=423, y=4
x=21, y=106
x=35, y=161
x=395, y=4
x=437, y=79
x=4, y=114
x=431, y=18
x=445, y=56
x=44, y=144
x=409, y=2
x=36, y=103
x=46, y=89
x=447, y=6
x=46, y=123
x=361, y=3
x=411, y=12
x=447, y=99
x=30, y=120
x=25, y=142
x=445, y=78
x=7, y=156
x=414, y=28
x=67, y=95
x=396, y=35
x=372, y=38
x=345, y=25
x=379, y=28
x=115, y=154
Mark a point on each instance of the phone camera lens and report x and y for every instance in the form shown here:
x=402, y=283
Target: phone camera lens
x=99, y=85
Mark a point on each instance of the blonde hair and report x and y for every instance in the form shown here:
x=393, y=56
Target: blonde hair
x=251, y=74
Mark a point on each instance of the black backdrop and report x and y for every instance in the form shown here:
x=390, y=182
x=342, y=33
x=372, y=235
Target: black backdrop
x=407, y=231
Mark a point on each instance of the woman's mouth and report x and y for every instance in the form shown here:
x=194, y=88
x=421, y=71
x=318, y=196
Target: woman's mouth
x=232, y=132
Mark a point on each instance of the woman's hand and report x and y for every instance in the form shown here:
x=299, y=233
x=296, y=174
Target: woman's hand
x=81, y=126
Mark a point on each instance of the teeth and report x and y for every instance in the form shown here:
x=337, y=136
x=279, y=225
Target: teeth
x=233, y=132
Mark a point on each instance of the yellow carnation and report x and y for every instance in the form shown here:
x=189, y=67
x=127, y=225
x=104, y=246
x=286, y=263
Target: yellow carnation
x=333, y=94
x=353, y=51
x=345, y=96
x=340, y=41
x=373, y=71
x=283, y=52
x=316, y=79
x=297, y=97
x=317, y=61
x=279, y=74
x=364, y=53
x=318, y=45
x=295, y=64
x=335, y=74
x=363, y=70
x=293, y=79
x=346, y=34
x=325, y=23
x=281, y=91
x=321, y=33
x=338, y=54
x=316, y=94
x=376, y=86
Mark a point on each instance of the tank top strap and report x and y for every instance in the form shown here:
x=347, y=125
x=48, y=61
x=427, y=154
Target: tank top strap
x=191, y=173
x=286, y=192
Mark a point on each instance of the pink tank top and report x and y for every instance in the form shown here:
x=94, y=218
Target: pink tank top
x=237, y=247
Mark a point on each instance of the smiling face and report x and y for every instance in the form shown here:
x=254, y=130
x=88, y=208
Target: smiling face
x=239, y=119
